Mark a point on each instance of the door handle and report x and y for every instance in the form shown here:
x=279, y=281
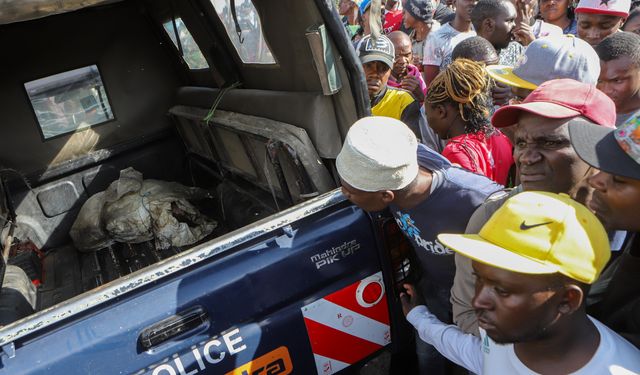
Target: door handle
x=175, y=325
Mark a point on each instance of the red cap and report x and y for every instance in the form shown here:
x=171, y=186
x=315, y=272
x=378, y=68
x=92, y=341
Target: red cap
x=619, y=8
x=561, y=98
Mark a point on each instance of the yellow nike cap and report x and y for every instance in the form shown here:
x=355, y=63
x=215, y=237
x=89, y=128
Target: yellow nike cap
x=539, y=233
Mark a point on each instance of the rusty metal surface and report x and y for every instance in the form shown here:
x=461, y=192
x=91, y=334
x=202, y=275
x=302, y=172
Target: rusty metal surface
x=165, y=268
x=23, y=10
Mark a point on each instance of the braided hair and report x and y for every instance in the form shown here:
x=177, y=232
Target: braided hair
x=465, y=83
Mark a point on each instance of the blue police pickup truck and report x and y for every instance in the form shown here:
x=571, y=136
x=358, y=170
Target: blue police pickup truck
x=168, y=196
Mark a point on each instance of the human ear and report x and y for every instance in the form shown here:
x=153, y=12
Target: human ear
x=387, y=196
x=441, y=111
x=488, y=25
x=572, y=299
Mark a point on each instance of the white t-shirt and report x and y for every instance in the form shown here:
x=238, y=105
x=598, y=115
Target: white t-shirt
x=440, y=45
x=418, y=47
x=543, y=29
x=614, y=356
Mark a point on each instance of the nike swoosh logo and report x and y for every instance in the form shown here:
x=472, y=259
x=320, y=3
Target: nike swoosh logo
x=524, y=226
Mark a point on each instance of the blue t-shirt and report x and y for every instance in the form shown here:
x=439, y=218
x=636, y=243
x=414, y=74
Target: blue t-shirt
x=446, y=210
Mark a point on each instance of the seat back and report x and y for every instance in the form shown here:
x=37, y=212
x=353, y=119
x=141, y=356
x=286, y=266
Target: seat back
x=278, y=157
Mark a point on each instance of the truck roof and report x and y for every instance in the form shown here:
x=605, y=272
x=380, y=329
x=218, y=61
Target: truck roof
x=24, y=10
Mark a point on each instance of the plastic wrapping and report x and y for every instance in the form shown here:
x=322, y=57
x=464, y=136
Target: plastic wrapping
x=133, y=210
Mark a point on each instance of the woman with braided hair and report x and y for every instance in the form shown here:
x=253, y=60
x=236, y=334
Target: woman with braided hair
x=458, y=106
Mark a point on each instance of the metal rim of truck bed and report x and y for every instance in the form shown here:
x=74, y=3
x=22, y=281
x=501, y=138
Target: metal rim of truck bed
x=163, y=269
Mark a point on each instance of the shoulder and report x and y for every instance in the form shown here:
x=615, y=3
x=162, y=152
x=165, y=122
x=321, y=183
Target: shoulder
x=431, y=160
x=441, y=33
x=467, y=143
x=499, y=139
x=401, y=95
x=614, y=350
x=459, y=143
x=487, y=209
x=544, y=29
x=476, y=187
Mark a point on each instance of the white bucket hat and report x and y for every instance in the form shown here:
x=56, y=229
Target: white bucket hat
x=379, y=153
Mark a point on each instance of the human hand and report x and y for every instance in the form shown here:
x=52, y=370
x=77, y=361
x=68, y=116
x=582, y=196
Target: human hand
x=501, y=93
x=523, y=33
x=412, y=84
x=409, y=298
x=524, y=11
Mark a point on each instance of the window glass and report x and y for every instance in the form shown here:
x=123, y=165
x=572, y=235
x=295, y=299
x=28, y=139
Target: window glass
x=250, y=44
x=190, y=51
x=69, y=101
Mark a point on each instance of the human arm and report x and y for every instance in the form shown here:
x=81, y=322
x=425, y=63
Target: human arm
x=430, y=72
x=431, y=58
x=462, y=292
x=463, y=289
x=412, y=117
x=464, y=281
x=461, y=348
x=524, y=14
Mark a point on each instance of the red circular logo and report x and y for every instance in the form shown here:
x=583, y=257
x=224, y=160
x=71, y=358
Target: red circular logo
x=371, y=293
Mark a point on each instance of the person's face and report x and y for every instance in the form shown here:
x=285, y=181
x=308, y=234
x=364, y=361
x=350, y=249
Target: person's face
x=505, y=22
x=552, y=10
x=592, y=28
x=404, y=56
x=544, y=157
x=513, y=307
x=616, y=201
x=619, y=79
x=464, y=8
x=408, y=20
x=368, y=201
x=344, y=6
x=377, y=74
x=365, y=18
x=437, y=119
x=632, y=25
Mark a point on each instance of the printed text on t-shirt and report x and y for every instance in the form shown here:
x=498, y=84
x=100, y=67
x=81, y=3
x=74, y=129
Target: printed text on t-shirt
x=406, y=223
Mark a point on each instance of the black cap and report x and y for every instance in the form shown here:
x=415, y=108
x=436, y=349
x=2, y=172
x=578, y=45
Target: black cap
x=380, y=49
x=422, y=10
x=599, y=147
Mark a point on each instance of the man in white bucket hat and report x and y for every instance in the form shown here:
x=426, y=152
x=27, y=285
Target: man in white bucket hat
x=382, y=165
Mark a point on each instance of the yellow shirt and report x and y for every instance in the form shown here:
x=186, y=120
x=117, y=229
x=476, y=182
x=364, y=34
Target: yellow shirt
x=393, y=103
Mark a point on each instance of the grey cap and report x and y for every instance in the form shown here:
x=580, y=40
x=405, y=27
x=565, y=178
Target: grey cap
x=422, y=10
x=380, y=49
x=548, y=58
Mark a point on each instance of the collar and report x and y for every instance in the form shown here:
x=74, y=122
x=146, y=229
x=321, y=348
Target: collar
x=376, y=99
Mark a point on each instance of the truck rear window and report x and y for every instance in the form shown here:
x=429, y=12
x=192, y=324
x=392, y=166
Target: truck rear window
x=69, y=101
x=249, y=42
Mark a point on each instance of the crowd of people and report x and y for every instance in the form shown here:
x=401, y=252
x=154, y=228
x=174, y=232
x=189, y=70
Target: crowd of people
x=505, y=141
